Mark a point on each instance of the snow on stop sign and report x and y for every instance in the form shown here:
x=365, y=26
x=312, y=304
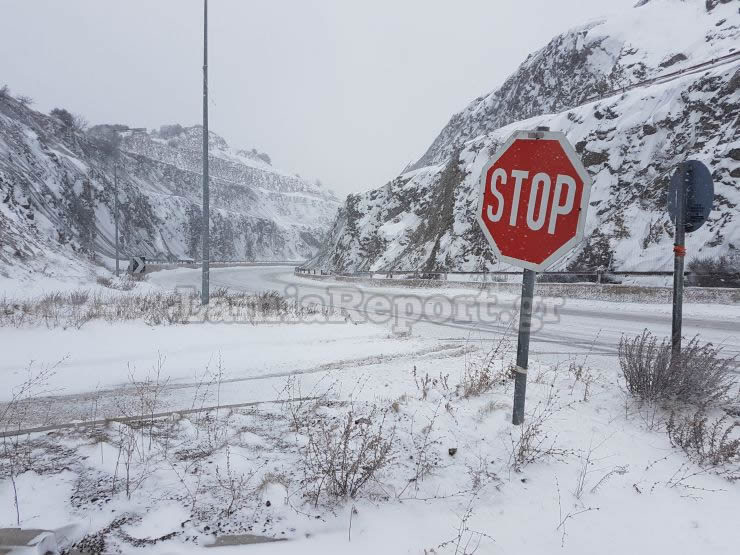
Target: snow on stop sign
x=533, y=199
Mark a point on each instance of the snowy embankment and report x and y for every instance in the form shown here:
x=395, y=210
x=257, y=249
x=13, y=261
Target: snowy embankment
x=432, y=461
x=629, y=139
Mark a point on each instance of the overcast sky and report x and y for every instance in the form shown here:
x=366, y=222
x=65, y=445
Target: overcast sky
x=342, y=90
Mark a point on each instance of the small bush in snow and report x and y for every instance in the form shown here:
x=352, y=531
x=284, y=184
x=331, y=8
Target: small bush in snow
x=714, y=272
x=427, y=383
x=483, y=374
x=104, y=281
x=233, y=486
x=343, y=454
x=534, y=442
x=170, y=131
x=650, y=374
x=69, y=120
x=713, y=443
x=15, y=453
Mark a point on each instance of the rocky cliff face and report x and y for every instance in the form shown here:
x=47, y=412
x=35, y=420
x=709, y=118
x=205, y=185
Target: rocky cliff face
x=629, y=140
x=57, y=196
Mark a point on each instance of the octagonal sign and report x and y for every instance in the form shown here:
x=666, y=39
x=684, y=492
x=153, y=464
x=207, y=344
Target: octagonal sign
x=533, y=199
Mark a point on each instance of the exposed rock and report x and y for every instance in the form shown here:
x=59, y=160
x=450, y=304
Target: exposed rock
x=594, y=158
x=631, y=143
x=674, y=60
x=58, y=194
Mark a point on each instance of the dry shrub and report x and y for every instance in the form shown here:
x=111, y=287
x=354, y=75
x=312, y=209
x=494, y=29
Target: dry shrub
x=302, y=408
x=714, y=272
x=343, y=454
x=234, y=487
x=15, y=455
x=480, y=375
x=706, y=442
x=650, y=374
x=534, y=442
x=135, y=431
x=583, y=374
x=124, y=283
x=59, y=309
x=427, y=383
x=426, y=457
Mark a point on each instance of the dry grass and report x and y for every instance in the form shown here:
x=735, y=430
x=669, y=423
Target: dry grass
x=75, y=309
x=713, y=443
x=481, y=374
x=123, y=283
x=343, y=454
x=700, y=376
x=428, y=383
x=533, y=441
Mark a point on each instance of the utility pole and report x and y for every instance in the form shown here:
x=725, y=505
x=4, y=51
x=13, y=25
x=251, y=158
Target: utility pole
x=206, y=209
x=115, y=216
x=679, y=252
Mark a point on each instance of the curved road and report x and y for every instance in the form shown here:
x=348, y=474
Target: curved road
x=560, y=326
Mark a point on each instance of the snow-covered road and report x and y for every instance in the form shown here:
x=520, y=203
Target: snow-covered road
x=397, y=328
x=564, y=326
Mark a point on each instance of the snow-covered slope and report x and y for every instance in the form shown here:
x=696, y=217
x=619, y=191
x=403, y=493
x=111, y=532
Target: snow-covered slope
x=630, y=141
x=57, y=200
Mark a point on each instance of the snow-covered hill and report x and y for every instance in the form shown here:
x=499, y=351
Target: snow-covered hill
x=630, y=141
x=57, y=196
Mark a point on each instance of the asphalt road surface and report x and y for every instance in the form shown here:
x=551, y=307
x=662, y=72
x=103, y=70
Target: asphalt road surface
x=560, y=325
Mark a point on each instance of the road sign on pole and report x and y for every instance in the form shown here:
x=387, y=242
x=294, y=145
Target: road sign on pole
x=532, y=210
x=137, y=265
x=690, y=199
x=698, y=187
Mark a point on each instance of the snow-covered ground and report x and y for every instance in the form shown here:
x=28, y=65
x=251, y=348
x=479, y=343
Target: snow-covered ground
x=602, y=470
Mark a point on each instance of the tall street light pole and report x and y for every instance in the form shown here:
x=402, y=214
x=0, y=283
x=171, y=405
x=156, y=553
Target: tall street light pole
x=206, y=209
x=115, y=217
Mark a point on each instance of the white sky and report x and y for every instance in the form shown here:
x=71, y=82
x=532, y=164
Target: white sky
x=343, y=90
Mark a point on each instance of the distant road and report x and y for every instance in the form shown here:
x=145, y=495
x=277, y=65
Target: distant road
x=573, y=327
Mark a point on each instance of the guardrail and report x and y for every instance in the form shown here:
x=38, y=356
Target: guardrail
x=160, y=264
x=597, y=277
x=315, y=271
x=163, y=262
x=664, y=77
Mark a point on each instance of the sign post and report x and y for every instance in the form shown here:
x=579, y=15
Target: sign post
x=532, y=210
x=205, y=290
x=679, y=252
x=690, y=199
x=115, y=180
x=522, y=346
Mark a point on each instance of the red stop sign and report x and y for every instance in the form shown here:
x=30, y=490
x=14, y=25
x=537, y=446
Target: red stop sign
x=533, y=199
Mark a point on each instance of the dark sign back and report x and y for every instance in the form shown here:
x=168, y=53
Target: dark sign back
x=695, y=179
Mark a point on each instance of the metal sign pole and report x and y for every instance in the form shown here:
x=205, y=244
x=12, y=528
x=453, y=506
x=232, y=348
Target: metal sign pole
x=679, y=250
x=115, y=181
x=205, y=289
x=522, y=348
